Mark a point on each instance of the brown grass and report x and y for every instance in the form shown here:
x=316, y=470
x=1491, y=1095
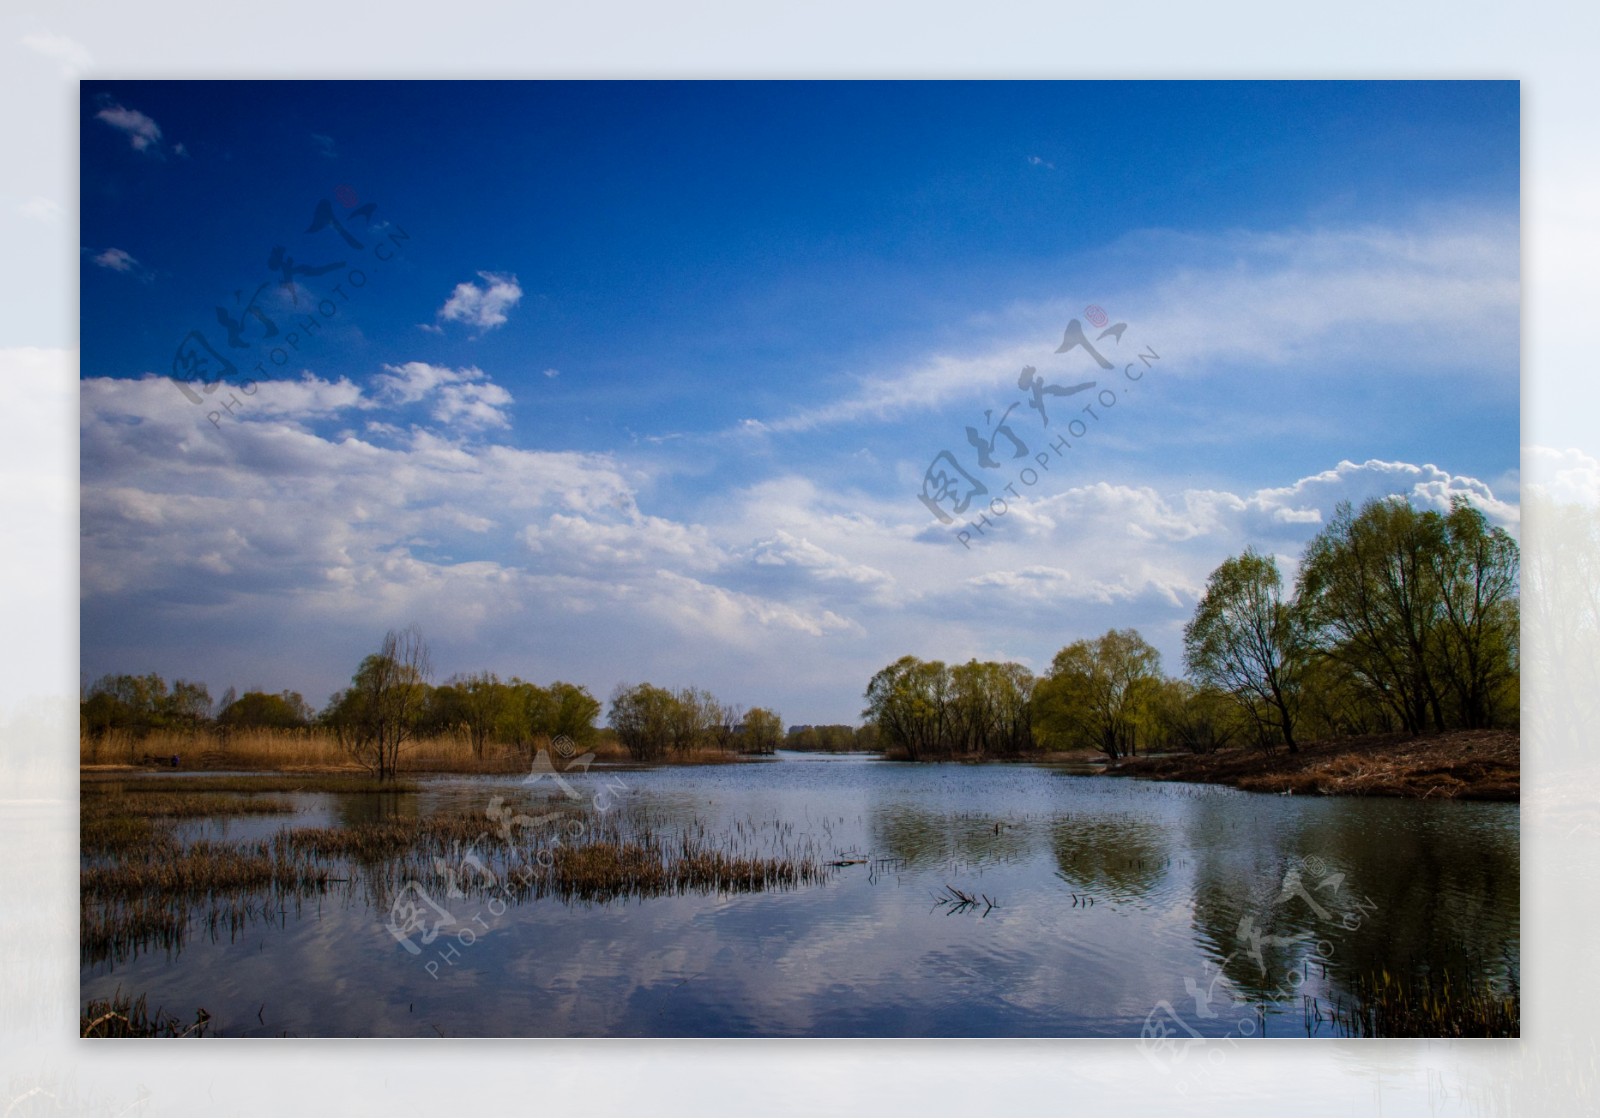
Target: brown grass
x=317, y=750
x=1455, y=765
x=124, y=1016
x=1385, y=1005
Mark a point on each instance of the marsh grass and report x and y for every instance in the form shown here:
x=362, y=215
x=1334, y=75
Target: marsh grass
x=316, y=749
x=146, y=889
x=352, y=781
x=124, y=1016
x=1385, y=1005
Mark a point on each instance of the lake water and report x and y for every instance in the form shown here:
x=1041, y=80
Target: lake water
x=1120, y=906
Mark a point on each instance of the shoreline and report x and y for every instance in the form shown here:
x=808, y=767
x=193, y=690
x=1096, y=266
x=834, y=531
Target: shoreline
x=1483, y=765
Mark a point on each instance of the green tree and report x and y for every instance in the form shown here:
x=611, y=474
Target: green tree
x=386, y=700
x=1247, y=642
x=263, y=710
x=763, y=731
x=1098, y=692
x=1476, y=570
x=642, y=716
x=1193, y=718
x=909, y=702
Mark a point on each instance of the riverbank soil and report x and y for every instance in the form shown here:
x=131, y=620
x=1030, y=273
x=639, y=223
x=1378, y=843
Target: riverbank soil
x=1454, y=765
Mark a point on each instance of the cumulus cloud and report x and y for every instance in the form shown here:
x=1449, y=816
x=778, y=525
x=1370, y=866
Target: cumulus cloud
x=278, y=518
x=336, y=509
x=483, y=307
x=463, y=397
x=142, y=132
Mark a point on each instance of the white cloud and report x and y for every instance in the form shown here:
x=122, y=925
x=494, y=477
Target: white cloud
x=483, y=307
x=552, y=372
x=464, y=397
x=787, y=550
x=203, y=539
x=118, y=260
x=142, y=132
x=73, y=56
x=1439, y=299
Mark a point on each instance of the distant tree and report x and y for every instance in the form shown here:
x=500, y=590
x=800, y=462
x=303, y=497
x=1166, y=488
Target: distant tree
x=1193, y=718
x=481, y=701
x=1248, y=643
x=642, y=716
x=573, y=711
x=909, y=703
x=283, y=711
x=386, y=700
x=990, y=708
x=762, y=733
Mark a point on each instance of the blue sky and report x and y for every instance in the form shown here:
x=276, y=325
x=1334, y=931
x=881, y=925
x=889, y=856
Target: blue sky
x=647, y=387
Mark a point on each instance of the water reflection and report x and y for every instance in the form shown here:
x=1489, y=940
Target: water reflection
x=1109, y=856
x=1186, y=880
x=372, y=808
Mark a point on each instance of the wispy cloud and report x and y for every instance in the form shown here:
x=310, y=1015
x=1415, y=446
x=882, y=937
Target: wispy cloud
x=120, y=260
x=483, y=307
x=142, y=132
x=325, y=145
x=1442, y=297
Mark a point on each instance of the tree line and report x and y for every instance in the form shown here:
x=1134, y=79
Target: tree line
x=1399, y=619
x=389, y=702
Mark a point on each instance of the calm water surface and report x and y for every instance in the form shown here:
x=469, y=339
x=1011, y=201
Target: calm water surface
x=1118, y=903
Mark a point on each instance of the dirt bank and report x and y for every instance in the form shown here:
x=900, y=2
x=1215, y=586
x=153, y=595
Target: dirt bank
x=1456, y=765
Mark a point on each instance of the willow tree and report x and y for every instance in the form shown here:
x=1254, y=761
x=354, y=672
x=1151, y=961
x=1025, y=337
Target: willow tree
x=1248, y=643
x=1421, y=606
x=1099, y=692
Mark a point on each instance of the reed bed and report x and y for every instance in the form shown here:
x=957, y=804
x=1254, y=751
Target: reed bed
x=1385, y=1005
x=352, y=781
x=150, y=890
x=203, y=868
x=316, y=749
x=124, y=1016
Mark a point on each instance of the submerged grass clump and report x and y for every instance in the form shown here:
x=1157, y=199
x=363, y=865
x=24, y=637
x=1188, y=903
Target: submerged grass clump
x=1384, y=1005
x=202, y=869
x=124, y=1016
x=143, y=887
